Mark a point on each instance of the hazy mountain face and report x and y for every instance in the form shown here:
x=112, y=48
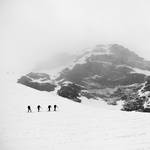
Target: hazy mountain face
x=55, y=61
x=106, y=66
x=106, y=71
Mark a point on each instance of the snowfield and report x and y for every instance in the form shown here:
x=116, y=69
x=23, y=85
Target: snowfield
x=73, y=127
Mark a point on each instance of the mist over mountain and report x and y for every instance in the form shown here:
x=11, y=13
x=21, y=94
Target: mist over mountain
x=106, y=66
x=33, y=31
x=54, y=62
x=105, y=71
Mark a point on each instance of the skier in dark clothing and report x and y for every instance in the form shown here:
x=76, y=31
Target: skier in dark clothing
x=38, y=107
x=29, y=109
x=55, y=106
x=49, y=107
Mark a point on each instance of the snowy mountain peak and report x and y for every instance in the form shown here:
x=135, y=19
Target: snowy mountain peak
x=97, y=69
x=87, y=53
x=112, y=53
x=113, y=63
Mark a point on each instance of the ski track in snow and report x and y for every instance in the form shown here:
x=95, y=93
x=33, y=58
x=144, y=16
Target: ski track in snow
x=73, y=127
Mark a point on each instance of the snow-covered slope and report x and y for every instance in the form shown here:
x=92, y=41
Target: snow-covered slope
x=73, y=127
x=142, y=71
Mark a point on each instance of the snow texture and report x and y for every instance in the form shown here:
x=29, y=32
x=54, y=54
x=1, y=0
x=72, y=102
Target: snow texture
x=137, y=70
x=74, y=126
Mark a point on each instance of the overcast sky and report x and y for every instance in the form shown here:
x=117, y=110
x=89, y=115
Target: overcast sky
x=35, y=30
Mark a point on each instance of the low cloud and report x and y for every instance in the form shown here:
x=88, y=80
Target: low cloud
x=35, y=31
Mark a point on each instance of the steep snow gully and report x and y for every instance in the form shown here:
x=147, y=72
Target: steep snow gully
x=73, y=127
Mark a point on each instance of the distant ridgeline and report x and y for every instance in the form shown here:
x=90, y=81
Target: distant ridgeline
x=39, y=81
x=110, y=72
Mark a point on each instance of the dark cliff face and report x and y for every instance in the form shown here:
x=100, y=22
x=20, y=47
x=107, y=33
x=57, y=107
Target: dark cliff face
x=39, y=81
x=70, y=91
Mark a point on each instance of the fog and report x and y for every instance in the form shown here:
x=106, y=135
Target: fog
x=36, y=31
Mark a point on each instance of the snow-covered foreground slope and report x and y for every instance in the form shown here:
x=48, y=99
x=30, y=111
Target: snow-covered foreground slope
x=73, y=127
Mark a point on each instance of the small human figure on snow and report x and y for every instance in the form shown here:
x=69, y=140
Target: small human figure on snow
x=49, y=107
x=38, y=107
x=55, y=107
x=29, y=108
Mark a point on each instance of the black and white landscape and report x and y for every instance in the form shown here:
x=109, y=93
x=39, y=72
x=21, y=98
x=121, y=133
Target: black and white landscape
x=109, y=72
x=103, y=81
x=91, y=59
